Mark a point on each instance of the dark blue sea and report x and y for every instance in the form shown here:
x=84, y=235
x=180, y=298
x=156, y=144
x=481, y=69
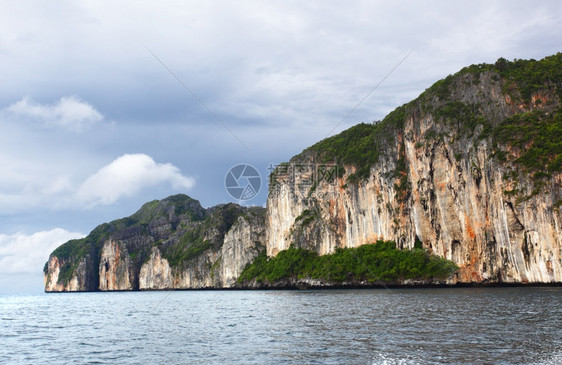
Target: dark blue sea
x=521, y=325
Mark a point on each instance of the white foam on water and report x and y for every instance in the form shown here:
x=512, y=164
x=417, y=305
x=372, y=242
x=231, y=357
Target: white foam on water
x=382, y=359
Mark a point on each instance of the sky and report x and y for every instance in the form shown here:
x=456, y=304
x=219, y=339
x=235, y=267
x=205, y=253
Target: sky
x=105, y=105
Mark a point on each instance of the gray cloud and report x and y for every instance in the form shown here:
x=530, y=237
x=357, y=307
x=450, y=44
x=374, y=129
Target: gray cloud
x=26, y=254
x=69, y=112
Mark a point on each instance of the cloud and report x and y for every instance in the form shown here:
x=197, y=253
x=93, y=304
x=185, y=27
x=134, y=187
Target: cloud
x=26, y=254
x=70, y=112
x=128, y=175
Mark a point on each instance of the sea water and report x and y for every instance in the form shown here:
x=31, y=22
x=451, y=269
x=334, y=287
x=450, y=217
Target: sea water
x=521, y=325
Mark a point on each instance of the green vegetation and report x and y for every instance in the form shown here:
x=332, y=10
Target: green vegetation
x=535, y=140
x=532, y=141
x=519, y=77
x=194, y=240
x=180, y=205
x=193, y=231
x=373, y=262
x=73, y=251
x=465, y=116
x=403, y=187
x=361, y=145
x=306, y=217
x=531, y=76
x=67, y=271
x=190, y=245
x=441, y=88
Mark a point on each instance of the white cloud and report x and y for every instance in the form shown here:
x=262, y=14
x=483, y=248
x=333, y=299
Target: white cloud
x=58, y=185
x=26, y=254
x=70, y=112
x=126, y=176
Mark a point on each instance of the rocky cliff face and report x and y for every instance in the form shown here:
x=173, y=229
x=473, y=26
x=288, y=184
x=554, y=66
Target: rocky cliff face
x=213, y=269
x=116, y=268
x=450, y=169
x=471, y=170
x=55, y=283
x=168, y=244
x=155, y=274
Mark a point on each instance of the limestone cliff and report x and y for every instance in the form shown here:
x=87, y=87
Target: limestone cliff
x=212, y=269
x=169, y=244
x=471, y=171
x=55, y=282
x=116, y=268
x=471, y=168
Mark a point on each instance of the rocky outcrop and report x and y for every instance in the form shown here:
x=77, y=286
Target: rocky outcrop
x=443, y=177
x=169, y=244
x=115, y=268
x=213, y=269
x=73, y=283
x=242, y=244
x=155, y=274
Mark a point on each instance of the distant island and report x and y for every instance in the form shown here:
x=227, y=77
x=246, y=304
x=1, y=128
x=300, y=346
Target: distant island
x=460, y=186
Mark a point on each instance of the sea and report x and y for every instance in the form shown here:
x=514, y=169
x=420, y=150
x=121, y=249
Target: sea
x=506, y=325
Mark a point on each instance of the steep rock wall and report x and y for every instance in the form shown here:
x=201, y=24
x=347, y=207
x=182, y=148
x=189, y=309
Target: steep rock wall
x=155, y=274
x=173, y=243
x=116, y=269
x=453, y=198
x=242, y=244
x=77, y=282
x=212, y=269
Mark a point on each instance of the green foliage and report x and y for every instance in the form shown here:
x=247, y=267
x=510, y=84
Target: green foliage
x=146, y=213
x=465, y=116
x=73, y=251
x=530, y=76
x=536, y=137
x=526, y=77
x=193, y=242
x=532, y=141
x=70, y=249
x=179, y=205
x=374, y=262
x=70, y=253
x=361, y=145
x=441, y=87
x=66, y=272
x=403, y=187
x=189, y=246
x=418, y=243
x=306, y=217
x=286, y=264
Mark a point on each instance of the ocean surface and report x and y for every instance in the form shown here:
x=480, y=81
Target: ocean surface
x=399, y=326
